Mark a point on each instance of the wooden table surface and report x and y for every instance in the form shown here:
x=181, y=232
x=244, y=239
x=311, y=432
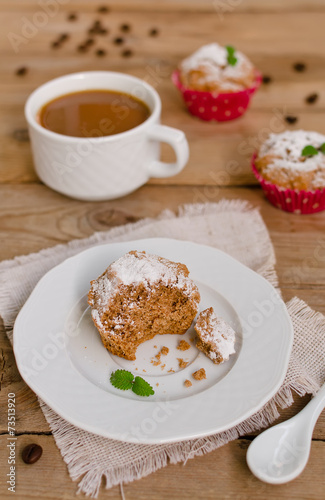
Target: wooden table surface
x=275, y=35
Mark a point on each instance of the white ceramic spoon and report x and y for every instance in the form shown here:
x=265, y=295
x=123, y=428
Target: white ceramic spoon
x=280, y=454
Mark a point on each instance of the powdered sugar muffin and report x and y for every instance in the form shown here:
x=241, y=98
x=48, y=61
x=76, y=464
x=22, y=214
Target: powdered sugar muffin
x=209, y=69
x=139, y=296
x=217, y=82
x=291, y=169
x=283, y=159
x=216, y=338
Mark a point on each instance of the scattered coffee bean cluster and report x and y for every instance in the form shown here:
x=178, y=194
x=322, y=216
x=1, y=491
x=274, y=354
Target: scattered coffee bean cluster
x=299, y=67
x=97, y=28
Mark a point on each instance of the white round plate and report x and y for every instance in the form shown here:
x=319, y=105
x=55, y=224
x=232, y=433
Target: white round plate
x=60, y=355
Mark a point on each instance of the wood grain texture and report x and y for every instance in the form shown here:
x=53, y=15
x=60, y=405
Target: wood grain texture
x=274, y=35
x=34, y=217
x=227, y=147
x=241, y=6
x=222, y=473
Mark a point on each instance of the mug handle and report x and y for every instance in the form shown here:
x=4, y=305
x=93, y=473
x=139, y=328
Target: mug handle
x=177, y=140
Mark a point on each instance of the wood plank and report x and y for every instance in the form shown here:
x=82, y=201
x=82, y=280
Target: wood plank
x=34, y=217
x=185, y=5
x=219, y=153
x=223, y=470
x=191, y=28
x=154, y=60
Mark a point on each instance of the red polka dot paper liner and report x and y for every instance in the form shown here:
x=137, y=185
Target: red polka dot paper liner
x=290, y=200
x=216, y=106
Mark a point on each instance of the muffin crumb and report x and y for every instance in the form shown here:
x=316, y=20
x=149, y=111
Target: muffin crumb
x=187, y=383
x=199, y=374
x=183, y=345
x=182, y=363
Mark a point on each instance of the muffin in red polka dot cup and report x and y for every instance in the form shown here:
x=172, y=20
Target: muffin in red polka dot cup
x=291, y=170
x=217, y=82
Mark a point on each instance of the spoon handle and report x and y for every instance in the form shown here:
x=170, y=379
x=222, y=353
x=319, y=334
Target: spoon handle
x=315, y=406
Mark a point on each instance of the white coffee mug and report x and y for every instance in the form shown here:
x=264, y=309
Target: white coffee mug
x=102, y=168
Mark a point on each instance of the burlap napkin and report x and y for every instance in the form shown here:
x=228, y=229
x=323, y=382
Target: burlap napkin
x=232, y=226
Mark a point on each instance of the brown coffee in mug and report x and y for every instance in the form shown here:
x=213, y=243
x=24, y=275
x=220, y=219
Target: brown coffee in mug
x=93, y=113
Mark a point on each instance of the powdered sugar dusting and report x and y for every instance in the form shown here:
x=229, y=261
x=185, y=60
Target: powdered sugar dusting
x=286, y=148
x=217, y=333
x=139, y=267
x=212, y=59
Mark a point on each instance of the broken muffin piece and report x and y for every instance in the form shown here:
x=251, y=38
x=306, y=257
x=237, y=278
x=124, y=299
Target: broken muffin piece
x=216, y=338
x=139, y=296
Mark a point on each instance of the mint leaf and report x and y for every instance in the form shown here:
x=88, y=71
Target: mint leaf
x=309, y=151
x=122, y=379
x=322, y=148
x=232, y=60
x=141, y=387
x=231, y=50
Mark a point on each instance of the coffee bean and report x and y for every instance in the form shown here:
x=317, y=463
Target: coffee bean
x=21, y=135
x=153, y=32
x=89, y=42
x=125, y=28
x=72, y=16
x=97, y=29
x=127, y=53
x=118, y=40
x=56, y=44
x=63, y=37
x=103, y=9
x=82, y=48
x=310, y=99
x=299, y=66
x=266, y=79
x=100, y=52
x=21, y=71
x=291, y=119
x=31, y=453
